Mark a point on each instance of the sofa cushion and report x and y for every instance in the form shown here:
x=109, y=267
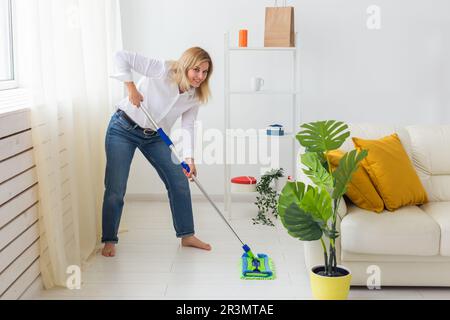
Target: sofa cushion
x=360, y=189
x=376, y=131
x=352, y=256
x=407, y=231
x=440, y=212
x=430, y=150
x=391, y=172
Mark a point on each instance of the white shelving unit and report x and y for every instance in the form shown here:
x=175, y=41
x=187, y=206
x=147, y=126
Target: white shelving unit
x=229, y=50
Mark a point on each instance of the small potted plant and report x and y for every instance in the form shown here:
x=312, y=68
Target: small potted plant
x=309, y=212
x=267, y=198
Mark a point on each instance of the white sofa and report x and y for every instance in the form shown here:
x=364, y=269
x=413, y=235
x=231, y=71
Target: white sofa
x=411, y=246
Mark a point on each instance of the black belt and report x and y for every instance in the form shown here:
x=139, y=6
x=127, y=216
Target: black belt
x=131, y=122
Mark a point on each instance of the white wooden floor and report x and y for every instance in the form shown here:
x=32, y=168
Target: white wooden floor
x=150, y=264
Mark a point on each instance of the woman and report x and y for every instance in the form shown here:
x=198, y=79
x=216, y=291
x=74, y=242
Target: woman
x=168, y=90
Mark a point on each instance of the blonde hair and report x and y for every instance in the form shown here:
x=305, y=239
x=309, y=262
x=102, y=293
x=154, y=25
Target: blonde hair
x=190, y=59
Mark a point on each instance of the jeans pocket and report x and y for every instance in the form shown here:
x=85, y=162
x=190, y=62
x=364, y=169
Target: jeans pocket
x=124, y=124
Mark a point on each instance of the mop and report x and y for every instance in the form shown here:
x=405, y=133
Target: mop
x=252, y=267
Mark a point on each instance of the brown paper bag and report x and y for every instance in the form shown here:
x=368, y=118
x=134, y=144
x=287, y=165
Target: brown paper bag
x=279, y=27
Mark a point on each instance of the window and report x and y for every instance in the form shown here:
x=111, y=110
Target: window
x=7, y=76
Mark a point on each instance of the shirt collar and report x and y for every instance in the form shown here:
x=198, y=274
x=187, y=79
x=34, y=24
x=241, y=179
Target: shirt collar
x=190, y=92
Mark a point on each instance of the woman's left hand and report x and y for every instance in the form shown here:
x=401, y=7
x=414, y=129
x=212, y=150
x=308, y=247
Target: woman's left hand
x=193, y=169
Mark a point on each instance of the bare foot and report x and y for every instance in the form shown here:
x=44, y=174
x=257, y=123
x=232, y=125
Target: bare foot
x=192, y=241
x=109, y=250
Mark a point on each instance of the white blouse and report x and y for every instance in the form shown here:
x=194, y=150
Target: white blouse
x=162, y=98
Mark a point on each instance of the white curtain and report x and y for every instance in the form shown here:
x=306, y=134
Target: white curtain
x=65, y=50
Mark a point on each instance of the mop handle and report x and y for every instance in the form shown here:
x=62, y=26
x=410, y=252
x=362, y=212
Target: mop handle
x=169, y=143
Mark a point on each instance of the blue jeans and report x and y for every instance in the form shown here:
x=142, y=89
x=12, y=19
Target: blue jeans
x=122, y=139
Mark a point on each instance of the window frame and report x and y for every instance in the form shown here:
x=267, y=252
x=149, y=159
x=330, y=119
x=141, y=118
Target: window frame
x=11, y=84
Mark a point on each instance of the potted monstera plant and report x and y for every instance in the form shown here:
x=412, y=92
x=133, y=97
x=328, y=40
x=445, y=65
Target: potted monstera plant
x=310, y=212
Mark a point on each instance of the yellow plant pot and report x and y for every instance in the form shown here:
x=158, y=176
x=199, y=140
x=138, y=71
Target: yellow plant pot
x=330, y=288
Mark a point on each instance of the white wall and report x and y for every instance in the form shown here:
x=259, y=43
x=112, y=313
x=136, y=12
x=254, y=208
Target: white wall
x=398, y=74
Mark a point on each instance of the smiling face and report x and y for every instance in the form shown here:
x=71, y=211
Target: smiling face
x=198, y=74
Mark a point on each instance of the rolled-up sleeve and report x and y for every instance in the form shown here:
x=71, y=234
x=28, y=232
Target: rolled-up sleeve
x=126, y=61
x=187, y=124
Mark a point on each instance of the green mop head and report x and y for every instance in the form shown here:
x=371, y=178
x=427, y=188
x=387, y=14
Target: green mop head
x=257, y=268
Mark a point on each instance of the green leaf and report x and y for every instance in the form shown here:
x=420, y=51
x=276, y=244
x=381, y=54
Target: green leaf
x=318, y=202
x=323, y=136
x=301, y=224
x=292, y=193
x=343, y=174
x=317, y=173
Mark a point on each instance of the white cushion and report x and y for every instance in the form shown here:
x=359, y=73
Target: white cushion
x=430, y=147
x=440, y=212
x=407, y=231
x=351, y=256
x=373, y=132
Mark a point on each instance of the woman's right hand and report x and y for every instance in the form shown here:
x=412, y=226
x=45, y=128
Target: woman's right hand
x=134, y=95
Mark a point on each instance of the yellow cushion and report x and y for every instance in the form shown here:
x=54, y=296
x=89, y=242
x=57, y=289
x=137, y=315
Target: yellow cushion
x=392, y=172
x=360, y=189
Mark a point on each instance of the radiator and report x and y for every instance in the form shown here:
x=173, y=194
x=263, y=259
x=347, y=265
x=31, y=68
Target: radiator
x=19, y=224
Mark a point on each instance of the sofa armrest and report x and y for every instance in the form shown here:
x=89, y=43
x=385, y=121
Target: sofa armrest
x=313, y=249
